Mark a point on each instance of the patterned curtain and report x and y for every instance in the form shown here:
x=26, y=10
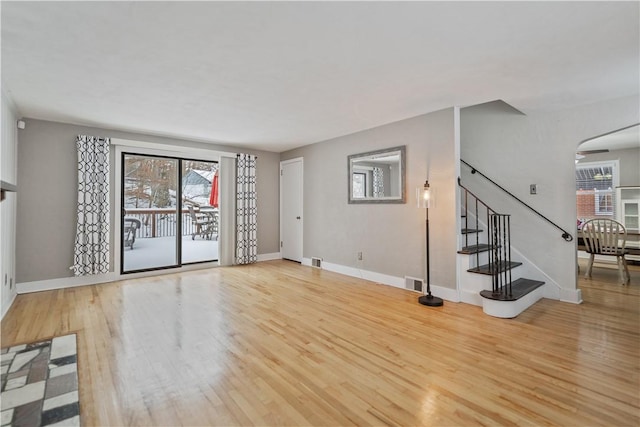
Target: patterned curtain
x=92, y=232
x=246, y=211
x=378, y=182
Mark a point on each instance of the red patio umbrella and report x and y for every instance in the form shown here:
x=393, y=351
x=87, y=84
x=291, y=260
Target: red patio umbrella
x=213, y=198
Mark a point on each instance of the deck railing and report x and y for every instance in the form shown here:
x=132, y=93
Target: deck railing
x=160, y=222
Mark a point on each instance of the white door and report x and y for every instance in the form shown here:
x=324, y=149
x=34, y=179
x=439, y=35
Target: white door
x=291, y=209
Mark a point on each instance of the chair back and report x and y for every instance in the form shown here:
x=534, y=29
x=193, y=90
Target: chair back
x=604, y=236
x=192, y=213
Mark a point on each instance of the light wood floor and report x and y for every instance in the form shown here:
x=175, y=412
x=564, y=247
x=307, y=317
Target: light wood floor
x=280, y=344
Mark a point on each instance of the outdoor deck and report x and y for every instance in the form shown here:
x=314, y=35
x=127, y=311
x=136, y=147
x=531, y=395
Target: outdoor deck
x=161, y=252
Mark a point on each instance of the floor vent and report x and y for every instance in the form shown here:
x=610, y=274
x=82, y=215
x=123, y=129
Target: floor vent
x=413, y=284
x=316, y=262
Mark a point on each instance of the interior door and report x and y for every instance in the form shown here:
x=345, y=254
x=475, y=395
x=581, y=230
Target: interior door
x=291, y=207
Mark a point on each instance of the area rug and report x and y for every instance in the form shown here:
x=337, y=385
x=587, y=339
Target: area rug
x=40, y=383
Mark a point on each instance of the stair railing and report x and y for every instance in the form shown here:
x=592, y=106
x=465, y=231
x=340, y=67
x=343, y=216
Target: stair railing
x=499, y=240
x=565, y=234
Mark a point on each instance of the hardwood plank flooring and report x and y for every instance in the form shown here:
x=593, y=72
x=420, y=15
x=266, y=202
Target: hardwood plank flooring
x=280, y=344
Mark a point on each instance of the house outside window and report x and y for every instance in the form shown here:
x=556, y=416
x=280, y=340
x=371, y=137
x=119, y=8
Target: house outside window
x=604, y=202
x=595, y=189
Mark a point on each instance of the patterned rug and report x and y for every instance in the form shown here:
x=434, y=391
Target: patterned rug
x=40, y=383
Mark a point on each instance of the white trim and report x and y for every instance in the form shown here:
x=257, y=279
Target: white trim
x=73, y=282
x=6, y=310
x=458, y=197
x=286, y=162
x=297, y=159
x=384, y=279
x=472, y=298
x=64, y=282
x=573, y=296
x=269, y=257
x=13, y=107
x=175, y=150
x=117, y=223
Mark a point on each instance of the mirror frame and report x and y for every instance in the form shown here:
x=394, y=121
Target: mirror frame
x=351, y=158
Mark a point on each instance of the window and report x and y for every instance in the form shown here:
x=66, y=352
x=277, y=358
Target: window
x=604, y=202
x=359, y=185
x=595, y=189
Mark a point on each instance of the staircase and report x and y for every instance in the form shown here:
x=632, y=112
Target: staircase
x=492, y=280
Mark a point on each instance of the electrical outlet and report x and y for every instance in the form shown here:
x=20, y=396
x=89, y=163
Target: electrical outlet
x=533, y=189
x=359, y=256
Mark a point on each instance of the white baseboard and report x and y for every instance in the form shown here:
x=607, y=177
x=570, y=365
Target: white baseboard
x=472, y=298
x=385, y=279
x=64, y=282
x=6, y=309
x=72, y=282
x=269, y=257
x=573, y=296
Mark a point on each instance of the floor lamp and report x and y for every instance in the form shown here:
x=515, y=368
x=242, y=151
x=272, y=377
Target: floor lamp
x=424, y=200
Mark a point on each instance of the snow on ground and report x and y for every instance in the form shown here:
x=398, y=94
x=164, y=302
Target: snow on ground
x=162, y=252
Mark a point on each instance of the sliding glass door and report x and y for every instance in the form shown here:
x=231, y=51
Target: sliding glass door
x=167, y=214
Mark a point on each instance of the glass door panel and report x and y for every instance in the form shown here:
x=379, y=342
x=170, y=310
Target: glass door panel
x=199, y=238
x=150, y=212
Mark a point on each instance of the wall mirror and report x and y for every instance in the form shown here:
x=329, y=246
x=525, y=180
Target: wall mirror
x=377, y=176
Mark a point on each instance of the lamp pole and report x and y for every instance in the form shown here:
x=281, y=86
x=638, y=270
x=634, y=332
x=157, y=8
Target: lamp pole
x=428, y=299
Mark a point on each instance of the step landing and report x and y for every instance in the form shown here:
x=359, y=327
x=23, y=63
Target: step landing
x=528, y=292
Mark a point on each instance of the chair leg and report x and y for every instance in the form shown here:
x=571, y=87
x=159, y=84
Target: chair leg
x=627, y=280
x=621, y=273
x=589, y=266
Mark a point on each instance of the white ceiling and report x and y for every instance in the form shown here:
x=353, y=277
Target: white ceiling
x=277, y=75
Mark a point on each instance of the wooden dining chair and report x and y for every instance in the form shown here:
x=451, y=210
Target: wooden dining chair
x=201, y=223
x=606, y=237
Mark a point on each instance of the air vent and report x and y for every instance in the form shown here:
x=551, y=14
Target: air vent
x=316, y=262
x=413, y=284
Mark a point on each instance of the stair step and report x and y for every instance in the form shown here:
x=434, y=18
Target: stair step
x=487, y=268
x=474, y=249
x=519, y=288
x=470, y=230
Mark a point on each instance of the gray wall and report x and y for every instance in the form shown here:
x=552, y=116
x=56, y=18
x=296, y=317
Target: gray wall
x=47, y=172
x=391, y=236
x=539, y=148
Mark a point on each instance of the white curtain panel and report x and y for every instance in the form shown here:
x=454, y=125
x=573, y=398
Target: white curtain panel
x=91, y=255
x=246, y=210
x=227, y=209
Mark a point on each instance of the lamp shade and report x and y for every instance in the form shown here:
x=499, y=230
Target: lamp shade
x=424, y=196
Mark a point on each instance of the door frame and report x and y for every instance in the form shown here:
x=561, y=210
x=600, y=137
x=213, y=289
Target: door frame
x=152, y=148
x=282, y=163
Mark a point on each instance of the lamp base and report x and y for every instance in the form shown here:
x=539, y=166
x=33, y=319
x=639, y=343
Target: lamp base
x=431, y=301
